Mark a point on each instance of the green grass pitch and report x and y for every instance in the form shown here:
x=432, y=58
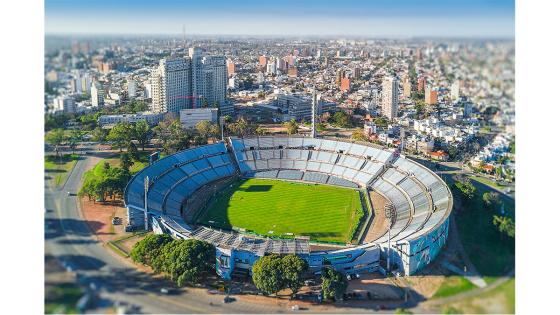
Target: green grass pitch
x=322, y=212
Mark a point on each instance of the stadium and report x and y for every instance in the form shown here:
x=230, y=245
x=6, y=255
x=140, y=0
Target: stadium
x=339, y=204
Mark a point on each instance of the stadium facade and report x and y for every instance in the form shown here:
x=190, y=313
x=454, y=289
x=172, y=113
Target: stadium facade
x=420, y=201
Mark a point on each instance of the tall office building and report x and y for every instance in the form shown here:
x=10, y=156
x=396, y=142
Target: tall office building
x=171, y=85
x=390, y=97
x=195, y=53
x=214, y=80
x=230, y=67
x=97, y=95
x=455, y=90
x=64, y=104
x=407, y=88
x=430, y=96
x=131, y=88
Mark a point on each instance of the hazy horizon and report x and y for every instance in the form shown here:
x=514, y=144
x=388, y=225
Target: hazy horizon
x=355, y=18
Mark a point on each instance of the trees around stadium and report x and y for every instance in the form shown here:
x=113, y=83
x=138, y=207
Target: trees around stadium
x=273, y=273
x=99, y=134
x=342, y=119
x=491, y=199
x=121, y=134
x=172, y=135
x=142, y=133
x=182, y=261
x=291, y=126
x=55, y=137
x=104, y=181
x=149, y=248
x=505, y=225
x=358, y=135
x=466, y=188
x=334, y=284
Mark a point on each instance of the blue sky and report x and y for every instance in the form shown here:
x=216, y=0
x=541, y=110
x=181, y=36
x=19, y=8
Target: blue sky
x=375, y=18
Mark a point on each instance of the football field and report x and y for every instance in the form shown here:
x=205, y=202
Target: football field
x=282, y=208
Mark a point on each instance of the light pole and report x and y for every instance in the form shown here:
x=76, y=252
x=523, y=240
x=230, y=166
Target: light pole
x=146, y=187
x=222, y=123
x=390, y=215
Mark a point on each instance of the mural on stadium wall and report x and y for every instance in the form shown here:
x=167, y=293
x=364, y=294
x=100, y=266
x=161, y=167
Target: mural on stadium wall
x=425, y=248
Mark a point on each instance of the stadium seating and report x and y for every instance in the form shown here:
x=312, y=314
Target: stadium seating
x=422, y=200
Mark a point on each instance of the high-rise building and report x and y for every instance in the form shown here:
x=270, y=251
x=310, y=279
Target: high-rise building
x=345, y=84
x=430, y=96
x=390, y=97
x=230, y=67
x=64, y=104
x=131, y=88
x=357, y=72
x=421, y=84
x=292, y=72
x=97, y=95
x=195, y=53
x=455, y=90
x=407, y=88
x=271, y=67
x=215, y=80
x=171, y=85
x=263, y=60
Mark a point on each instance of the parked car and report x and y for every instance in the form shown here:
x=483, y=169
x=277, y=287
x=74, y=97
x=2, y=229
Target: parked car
x=116, y=221
x=229, y=299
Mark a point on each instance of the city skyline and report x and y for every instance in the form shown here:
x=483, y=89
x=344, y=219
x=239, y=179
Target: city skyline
x=400, y=19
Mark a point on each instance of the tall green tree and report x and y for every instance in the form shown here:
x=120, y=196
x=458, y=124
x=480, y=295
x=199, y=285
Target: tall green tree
x=145, y=250
x=505, y=225
x=126, y=161
x=334, y=284
x=121, y=135
x=142, y=133
x=267, y=274
x=99, y=134
x=293, y=272
x=204, y=128
x=342, y=119
x=187, y=261
x=74, y=138
x=358, y=135
x=291, y=126
x=466, y=188
x=55, y=137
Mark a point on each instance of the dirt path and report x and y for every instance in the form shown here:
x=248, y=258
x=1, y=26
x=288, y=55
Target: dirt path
x=380, y=224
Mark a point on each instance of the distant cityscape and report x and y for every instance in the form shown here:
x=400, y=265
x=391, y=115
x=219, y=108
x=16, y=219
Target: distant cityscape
x=445, y=100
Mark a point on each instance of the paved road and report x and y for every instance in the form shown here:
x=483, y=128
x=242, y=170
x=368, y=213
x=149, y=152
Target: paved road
x=68, y=237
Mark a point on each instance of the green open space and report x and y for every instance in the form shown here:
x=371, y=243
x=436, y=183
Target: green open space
x=57, y=168
x=454, y=285
x=487, y=182
x=62, y=298
x=492, y=252
x=277, y=208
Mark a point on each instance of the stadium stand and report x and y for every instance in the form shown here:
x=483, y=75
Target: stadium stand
x=421, y=199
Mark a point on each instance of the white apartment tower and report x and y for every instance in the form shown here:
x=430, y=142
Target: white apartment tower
x=195, y=53
x=215, y=80
x=97, y=95
x=390, y=97
x=172, y=85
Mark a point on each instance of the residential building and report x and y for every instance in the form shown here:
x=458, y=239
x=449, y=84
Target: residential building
x=151, y=118
x=64, y=104
x=171, y=85
x=97, y=95
x=389, y=99
x=215, y=80
x=430, y=96
x=230, y=67
x=190, y=117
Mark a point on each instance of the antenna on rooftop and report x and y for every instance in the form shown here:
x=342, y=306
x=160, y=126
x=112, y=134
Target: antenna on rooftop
x=184, y=37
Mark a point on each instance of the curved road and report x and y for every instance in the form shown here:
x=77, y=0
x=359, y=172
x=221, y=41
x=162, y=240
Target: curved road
x=69, y=238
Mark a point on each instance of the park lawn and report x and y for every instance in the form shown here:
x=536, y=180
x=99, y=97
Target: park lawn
x=486, y=181
x=500, y=300
x=492, y=253
x=62, y=298
x=274, y=208
x=453, y=285
x=58, y=168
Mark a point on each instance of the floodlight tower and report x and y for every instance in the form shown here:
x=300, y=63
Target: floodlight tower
x=390, y=215
x=313, y=111
x=146, y=187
